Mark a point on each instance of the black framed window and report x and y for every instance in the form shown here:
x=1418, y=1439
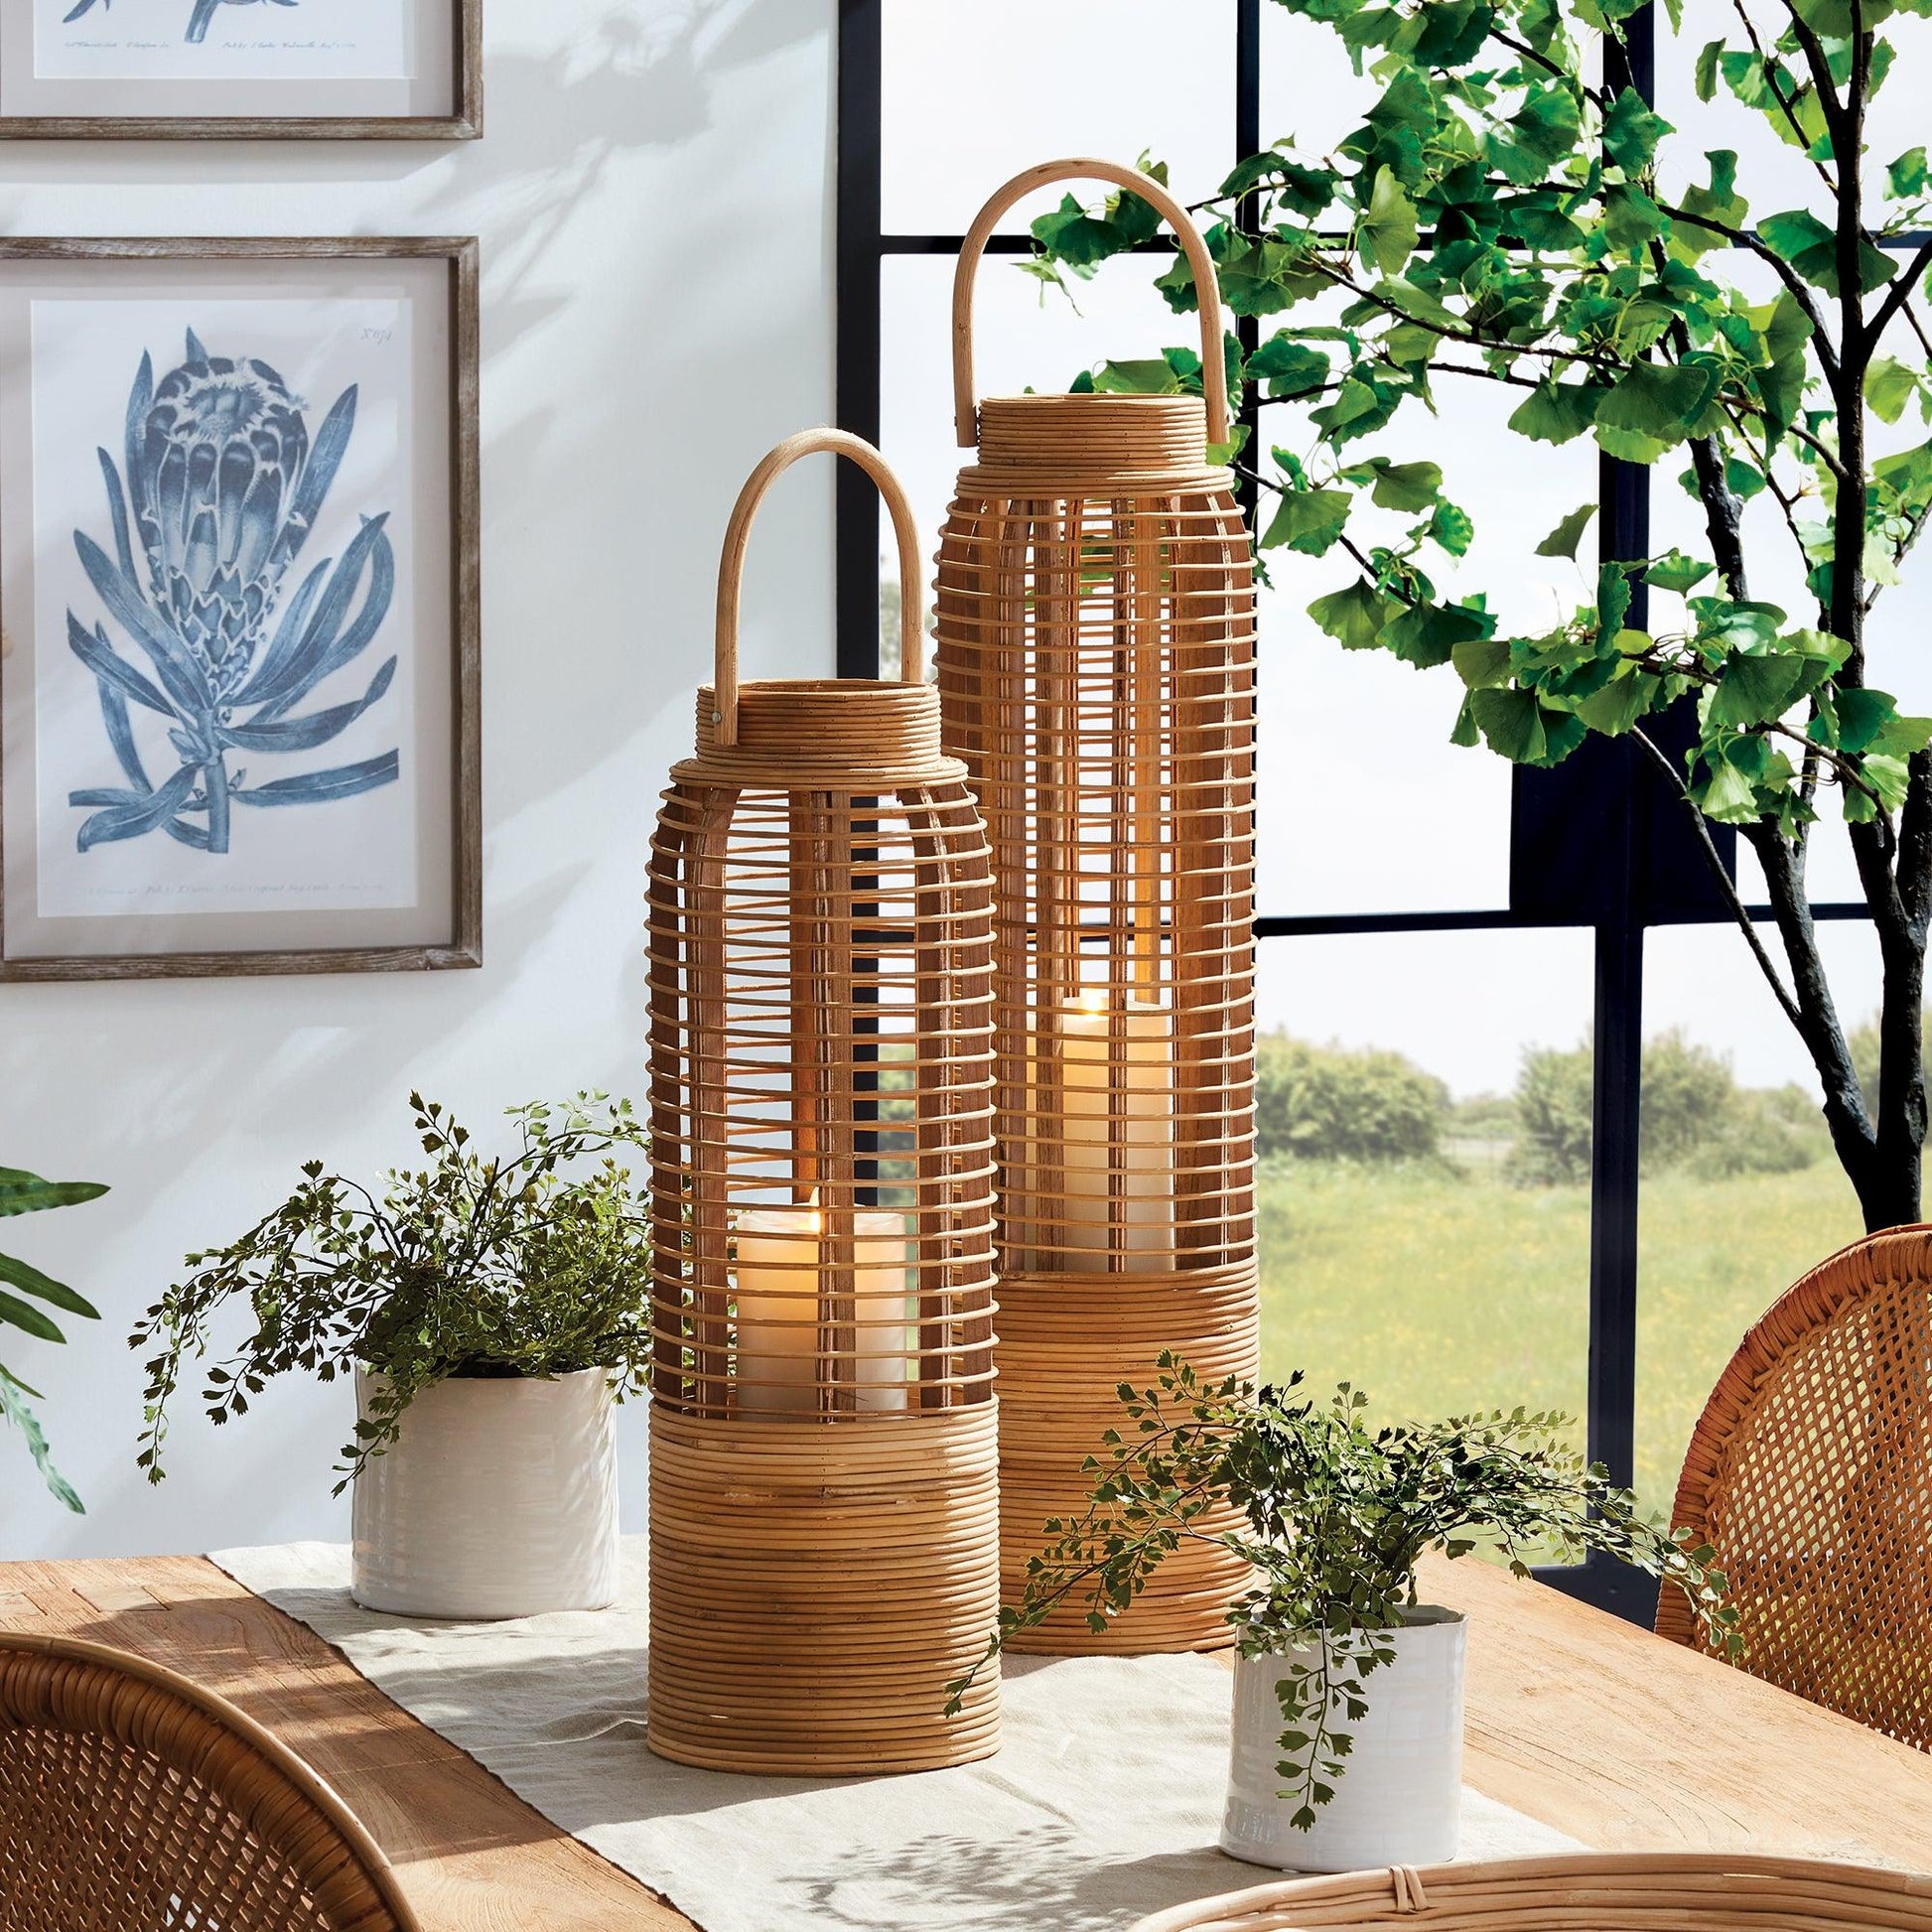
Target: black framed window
x=1514, y=925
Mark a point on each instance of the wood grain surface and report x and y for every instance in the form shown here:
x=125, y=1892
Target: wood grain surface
x=1629, y=1742
x=1594, y=1725
x=471, y=1856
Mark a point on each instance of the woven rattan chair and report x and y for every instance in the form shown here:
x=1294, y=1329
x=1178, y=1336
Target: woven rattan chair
x=132, y=1801
x=1811, y=1477
x=1641, y=1891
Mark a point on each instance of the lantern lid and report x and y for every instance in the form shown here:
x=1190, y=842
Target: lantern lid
x=1095, y=439
x=804, y=734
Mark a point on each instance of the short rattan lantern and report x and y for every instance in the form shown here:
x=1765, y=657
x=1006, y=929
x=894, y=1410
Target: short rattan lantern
x=824, y=1516
x=1096, y=669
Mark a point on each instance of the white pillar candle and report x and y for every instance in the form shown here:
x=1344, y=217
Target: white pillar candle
x=1137, y=1101
x=782, y=1275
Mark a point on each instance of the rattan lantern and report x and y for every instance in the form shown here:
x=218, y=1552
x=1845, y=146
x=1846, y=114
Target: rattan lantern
x=823, y=1443
x=1096, y=671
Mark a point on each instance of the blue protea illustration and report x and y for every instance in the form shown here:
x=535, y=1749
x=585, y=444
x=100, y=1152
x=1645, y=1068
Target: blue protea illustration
x=197, y=21
x=224, y=487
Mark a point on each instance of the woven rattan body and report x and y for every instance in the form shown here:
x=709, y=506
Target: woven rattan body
x=824, y=1510
x=1095, y=646
x=1811, y=1475
x=133, y=1801
x=1624, y=1893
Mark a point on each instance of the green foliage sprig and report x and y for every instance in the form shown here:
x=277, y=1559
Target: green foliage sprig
x=27, y=1193
x=1510, y=213
x=1337, y=1517
x=470, y=1266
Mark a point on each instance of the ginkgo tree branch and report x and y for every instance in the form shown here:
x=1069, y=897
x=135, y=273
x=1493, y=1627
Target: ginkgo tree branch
x=1470, y=338
x=1600, y=95
x=1660, y=663
x=1827, y=99
x=1896, y=297
x=1823, y=451
x=1727, y=885
x=1799, y=289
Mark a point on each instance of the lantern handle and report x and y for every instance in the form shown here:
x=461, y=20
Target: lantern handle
x=737, y=534
x=1214, y=375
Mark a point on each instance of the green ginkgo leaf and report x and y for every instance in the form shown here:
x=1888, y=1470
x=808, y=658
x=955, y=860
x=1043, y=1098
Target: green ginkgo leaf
x=1390, y=227
x=1353, y=617
x=1564, y=540
x=1889, y=385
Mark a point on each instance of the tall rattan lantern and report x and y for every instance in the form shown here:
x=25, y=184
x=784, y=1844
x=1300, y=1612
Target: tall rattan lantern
x=823, y=1442
x=1096, y=669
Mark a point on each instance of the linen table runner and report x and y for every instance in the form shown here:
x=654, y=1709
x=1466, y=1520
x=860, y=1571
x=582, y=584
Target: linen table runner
x=1103, y=1805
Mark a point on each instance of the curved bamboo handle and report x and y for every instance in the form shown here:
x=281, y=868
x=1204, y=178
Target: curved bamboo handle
x=1214, y=374
x=737, y=535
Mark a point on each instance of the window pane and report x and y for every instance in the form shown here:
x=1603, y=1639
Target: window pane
x=1773, y=174
x=1021, y=341
x=1740, y=1193
x=1310, y=95
x=974, y=94
x=1365, y=804
x=1425, y=1200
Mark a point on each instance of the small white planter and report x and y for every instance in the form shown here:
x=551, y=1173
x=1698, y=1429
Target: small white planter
x=1399, y=1798
x=498, y=1499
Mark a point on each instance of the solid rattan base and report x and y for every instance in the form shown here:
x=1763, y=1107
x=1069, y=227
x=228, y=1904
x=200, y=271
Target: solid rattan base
x=1067, y=1341
x=815, y=1587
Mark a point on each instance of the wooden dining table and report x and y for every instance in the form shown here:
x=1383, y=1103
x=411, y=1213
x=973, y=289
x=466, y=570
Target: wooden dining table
x=1606, y=1733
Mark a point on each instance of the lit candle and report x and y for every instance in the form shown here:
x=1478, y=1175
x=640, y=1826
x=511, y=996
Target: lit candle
x=784, y=1284
x=1136, y=1101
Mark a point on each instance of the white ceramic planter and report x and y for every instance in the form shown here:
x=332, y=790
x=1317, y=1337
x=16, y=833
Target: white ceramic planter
x=1397, y=1800
x=499, y=1498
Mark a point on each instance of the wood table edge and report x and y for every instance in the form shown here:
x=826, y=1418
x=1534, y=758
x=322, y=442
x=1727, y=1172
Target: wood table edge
x=182, y=1589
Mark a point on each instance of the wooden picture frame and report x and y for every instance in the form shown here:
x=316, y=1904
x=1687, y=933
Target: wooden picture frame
x=461, y=120
x=435, y=562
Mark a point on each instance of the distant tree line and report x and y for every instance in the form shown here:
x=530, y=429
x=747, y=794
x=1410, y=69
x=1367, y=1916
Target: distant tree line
x=1693, y=1116
x=1338, y=1103
x=1371, y=1105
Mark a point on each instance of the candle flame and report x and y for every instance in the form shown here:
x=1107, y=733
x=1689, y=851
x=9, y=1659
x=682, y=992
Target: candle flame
x=1093, y=1000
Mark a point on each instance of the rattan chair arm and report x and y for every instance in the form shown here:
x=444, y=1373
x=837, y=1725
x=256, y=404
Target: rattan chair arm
x=1214, y=375
x=267, y=1784
x=1690, y=1891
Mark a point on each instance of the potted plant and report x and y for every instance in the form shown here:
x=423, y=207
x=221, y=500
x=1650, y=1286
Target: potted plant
x=489, y=1313
x=27, y=1193
x=1347, y=1740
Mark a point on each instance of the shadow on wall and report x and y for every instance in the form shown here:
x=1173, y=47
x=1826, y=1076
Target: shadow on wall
x=651, y=200
x=640, y=54
x=706, y=281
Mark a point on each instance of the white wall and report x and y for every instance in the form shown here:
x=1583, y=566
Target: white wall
x=654, y=196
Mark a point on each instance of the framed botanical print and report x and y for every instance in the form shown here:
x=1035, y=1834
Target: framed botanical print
x=376, y=69
x=238, y=607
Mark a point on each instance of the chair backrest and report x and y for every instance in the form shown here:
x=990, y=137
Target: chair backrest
x=132, y=1799
x=1630, y=1891
x=1811, y=1475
